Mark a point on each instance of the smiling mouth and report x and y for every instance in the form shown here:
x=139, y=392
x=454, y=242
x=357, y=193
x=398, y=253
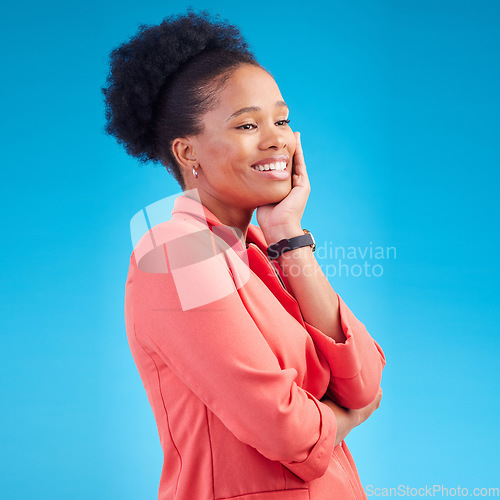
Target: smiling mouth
x=279, y=166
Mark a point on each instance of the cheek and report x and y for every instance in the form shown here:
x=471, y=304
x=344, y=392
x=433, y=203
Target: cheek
x=214, y=153
x=228, y=154
x=220, y=159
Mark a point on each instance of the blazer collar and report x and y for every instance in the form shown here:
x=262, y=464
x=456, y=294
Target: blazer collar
x=189, y=206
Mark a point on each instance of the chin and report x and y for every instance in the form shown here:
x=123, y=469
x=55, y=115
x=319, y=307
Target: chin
x=275, y=195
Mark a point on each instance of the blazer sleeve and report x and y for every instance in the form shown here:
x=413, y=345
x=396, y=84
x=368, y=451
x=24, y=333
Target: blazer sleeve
x=356, y=364
x=216, y=349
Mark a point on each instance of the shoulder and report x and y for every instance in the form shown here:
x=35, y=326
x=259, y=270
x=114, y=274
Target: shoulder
x=180, y=261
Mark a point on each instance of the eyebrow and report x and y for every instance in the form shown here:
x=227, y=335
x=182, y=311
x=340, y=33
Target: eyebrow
x=250, y=109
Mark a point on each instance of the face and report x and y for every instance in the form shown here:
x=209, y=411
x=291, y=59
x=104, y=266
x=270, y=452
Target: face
x=244, y=134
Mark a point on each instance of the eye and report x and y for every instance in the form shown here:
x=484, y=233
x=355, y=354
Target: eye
x=247, y=126
x=283, y=122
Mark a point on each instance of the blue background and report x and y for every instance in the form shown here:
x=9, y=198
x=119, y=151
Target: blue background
x=398, y=106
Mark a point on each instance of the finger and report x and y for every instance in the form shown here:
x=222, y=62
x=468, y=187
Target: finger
x=298, y=157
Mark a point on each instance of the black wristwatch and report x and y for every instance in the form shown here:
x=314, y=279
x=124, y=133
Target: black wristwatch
x=304, y=240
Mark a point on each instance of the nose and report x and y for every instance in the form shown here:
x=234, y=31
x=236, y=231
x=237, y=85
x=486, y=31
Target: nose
x=273, y=137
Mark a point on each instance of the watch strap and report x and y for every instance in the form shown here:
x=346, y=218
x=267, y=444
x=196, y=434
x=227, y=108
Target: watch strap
x=287, y=244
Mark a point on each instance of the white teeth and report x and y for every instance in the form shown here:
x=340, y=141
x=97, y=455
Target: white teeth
x=281, y=165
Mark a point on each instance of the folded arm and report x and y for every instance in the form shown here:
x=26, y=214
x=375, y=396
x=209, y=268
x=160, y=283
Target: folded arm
x=356, y=360
x=217, y=350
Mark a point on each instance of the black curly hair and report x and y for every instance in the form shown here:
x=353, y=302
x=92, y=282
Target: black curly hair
x=165, y=78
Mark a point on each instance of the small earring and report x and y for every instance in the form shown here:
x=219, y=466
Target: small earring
x=195, y=173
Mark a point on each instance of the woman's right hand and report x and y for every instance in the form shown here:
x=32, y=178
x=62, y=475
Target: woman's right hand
x=348, y=419
x=364, y=413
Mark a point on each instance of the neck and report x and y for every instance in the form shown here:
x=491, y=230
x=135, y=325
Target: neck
x=229, y=216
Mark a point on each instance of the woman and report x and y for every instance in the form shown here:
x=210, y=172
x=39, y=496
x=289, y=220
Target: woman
x=255, y=368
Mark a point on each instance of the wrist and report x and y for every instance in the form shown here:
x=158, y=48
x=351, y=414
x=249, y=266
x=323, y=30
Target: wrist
x=282, y=232
x=294, y=257
x=289, y=244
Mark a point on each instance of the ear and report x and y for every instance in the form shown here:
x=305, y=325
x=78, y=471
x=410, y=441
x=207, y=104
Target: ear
x=184, y=153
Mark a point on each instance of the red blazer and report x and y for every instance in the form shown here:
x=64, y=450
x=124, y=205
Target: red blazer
x=234, y=374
